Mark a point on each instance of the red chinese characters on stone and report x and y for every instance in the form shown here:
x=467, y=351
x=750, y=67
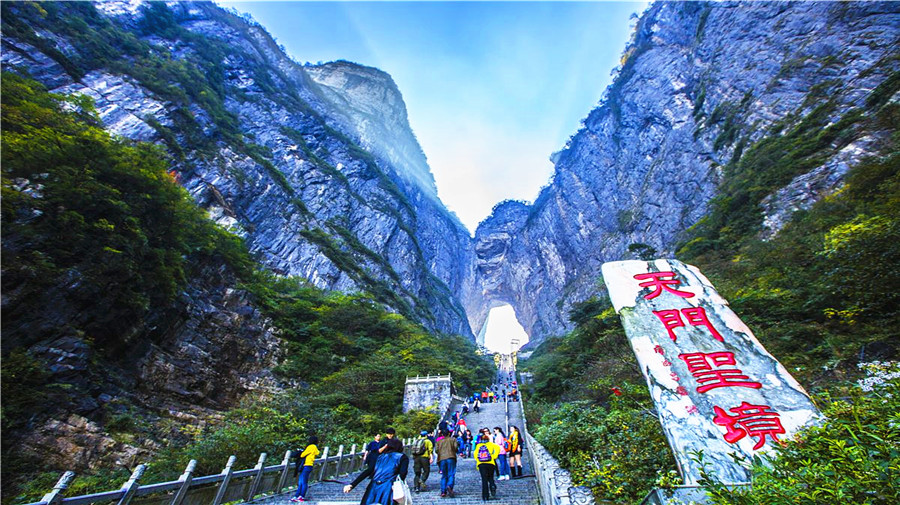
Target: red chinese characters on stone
x=691, y=409
x=705, y=367
x=757, y=421
x=658, y=349
x=696, y=316
x=671, y=319
x=660, y=281
x=682, y=391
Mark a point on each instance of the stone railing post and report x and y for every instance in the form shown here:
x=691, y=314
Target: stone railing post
x=260, y=466
x=131, y=486
x=286, y=462
x=220, y=494
x=185, y=480
x=56, y=495
x=340, y=460
x=324, y=464
x=580, y=495
x=562, y=481
x=352, y=467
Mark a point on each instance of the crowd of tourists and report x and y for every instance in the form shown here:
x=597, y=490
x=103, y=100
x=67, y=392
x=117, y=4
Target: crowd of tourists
x=496, y=393
x=497, y=456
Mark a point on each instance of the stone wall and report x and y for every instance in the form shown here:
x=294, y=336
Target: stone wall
x=430, y=392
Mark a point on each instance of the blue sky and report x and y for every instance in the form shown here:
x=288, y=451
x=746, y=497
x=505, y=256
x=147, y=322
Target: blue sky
x=492, y=88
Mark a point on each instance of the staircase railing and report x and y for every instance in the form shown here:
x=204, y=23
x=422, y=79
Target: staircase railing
x=227, y=486
x=554, y=482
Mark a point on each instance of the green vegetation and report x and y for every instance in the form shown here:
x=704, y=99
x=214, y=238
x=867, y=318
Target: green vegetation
x=97, y=239
x=853, y=458
x=589, y=406
x=615, y=450
x=98, y=222
x=822, y=295
x=586, y=363
x=98, y=229
x=347, y=339
x=824, y=290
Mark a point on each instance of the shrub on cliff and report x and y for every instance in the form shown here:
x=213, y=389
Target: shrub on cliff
x=95, y=230
x=615, y=450
x=854, y=457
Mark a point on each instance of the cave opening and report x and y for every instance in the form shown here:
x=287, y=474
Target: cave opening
x=502, y=331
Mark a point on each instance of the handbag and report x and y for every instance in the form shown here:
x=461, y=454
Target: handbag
x=400, y=492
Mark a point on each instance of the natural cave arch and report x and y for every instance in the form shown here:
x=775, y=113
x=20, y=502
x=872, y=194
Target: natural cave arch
x=502, y=331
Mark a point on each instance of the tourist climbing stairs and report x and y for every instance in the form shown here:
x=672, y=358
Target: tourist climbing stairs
x=519, y=491
x=542, y=481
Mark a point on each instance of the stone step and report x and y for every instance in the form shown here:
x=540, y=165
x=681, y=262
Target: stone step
x=468, y=481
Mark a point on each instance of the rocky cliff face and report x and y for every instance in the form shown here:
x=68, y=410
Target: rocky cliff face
x=700, y=84
x=367, y=102
x=315, y=166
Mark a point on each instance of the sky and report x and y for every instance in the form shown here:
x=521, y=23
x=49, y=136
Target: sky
x=502, y=329
x=492, y=89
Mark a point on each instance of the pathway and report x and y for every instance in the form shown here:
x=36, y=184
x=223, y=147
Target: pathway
x=522, y=491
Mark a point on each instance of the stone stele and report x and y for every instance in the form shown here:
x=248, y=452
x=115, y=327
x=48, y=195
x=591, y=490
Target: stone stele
x=716, y=388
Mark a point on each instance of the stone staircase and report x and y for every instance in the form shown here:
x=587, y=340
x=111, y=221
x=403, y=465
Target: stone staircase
x=522, y=491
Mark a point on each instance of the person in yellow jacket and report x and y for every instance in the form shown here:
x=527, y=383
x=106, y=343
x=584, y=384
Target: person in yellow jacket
x=422, y=458
x=306, y=460
x=486, y=453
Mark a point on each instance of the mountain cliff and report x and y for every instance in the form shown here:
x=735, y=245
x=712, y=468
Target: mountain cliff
x=315, y=166
x=706, y=94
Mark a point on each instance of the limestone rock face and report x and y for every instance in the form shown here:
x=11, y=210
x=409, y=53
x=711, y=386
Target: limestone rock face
x=316, y=166
x=187, y=362
x=700, y=83
x=367, y=102
x=79, y=443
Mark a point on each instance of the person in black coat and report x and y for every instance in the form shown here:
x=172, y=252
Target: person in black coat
x=389, y=448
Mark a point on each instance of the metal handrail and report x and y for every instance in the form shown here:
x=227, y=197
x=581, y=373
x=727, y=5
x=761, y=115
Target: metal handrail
x=328, y=467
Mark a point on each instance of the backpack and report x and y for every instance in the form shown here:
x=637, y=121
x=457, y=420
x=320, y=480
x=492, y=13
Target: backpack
x=419, y=448
x=484, y=455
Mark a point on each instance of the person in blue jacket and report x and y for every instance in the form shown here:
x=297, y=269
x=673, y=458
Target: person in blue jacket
x=383, y=470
